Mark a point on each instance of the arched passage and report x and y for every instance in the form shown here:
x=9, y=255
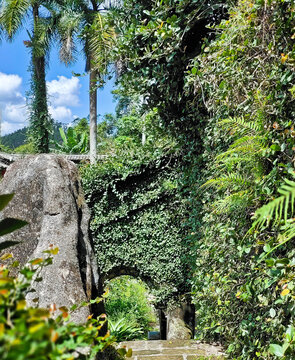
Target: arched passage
x=138, y=227
x=129, y=304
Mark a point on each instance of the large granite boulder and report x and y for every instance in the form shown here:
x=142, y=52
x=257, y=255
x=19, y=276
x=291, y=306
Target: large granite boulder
x=48, y=195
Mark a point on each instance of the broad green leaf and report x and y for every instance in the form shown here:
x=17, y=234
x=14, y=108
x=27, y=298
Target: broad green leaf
x=290, y=333
x=6, y=244
x=4, y=200
x=272, y=312
x=9, y=225
x=266, y=247
x=275, y=147
x=63, y=136
x=276, y=349
x=194, y=71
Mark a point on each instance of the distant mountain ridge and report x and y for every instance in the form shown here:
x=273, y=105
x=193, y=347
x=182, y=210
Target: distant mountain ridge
x=15, y=139
x=19, y=137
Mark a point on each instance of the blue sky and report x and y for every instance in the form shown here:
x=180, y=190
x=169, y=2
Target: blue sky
x=68, y=95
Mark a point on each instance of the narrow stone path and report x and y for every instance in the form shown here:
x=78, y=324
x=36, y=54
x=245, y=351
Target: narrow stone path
x=172, y=350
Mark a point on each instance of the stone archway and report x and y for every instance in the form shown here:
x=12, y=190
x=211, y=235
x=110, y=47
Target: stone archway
x=138, y=229
x=175, y=322
x=132, y=272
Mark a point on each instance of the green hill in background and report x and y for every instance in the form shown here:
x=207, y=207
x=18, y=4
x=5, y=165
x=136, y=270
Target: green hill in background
x=15, y=139
x=19, y=137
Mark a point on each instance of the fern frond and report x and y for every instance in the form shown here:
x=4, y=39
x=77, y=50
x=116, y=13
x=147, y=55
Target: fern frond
x=248, y=139
x=279, y=208
x=246, y=145
x=248, y=149
x=240, y=126
x=227, y=180
x=238, y=200
x=288, y=234
x=233, y=159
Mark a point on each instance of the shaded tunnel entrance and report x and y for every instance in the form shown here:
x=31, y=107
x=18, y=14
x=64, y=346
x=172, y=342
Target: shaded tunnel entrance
x=131, y=310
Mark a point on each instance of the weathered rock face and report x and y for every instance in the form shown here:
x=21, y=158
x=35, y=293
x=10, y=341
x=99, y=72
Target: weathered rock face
x=181, y=322
x=48, y=195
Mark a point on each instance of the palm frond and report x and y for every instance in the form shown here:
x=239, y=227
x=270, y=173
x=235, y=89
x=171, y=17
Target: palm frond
x=43, y=33
x=278, y=209
x=68, y=26
x=12, y=14
x=100, y=41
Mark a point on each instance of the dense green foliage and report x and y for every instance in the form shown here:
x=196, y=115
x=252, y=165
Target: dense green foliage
x=156, y=41
x=36, y=333
x=246, y=78
x=197, y=192
x=15, y=139
x=229, y=98
x=137, y=214
x=128, y=309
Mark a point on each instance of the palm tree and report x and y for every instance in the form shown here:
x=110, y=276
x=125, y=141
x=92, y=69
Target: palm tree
x=12, y=17
x=65, y=19
x=85, y=20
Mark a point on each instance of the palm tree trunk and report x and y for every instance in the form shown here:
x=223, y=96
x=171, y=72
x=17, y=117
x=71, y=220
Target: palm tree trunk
x=40, y=121
x=93, y=114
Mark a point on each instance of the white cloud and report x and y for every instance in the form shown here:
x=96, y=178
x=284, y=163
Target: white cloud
x=15, y=112
x=10, y=88
x=7, y=128
x=64, y=91
x=12, y=103
x=61, y=113
x=63, y=94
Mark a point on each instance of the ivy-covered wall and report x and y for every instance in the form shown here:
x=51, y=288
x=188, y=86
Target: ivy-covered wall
x=138, y=222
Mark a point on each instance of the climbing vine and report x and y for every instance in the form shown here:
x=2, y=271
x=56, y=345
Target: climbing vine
x=245, y=78
x=138, y=218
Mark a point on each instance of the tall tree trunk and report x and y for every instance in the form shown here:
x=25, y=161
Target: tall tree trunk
x=92, y=93
x=40, y=122
x=93, y=114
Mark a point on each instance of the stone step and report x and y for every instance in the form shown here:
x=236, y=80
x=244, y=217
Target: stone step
x=172, y=350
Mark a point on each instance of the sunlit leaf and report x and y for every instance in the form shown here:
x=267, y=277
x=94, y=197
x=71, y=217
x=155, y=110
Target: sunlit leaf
x=36, y=261
x=6, y=257
x=285, y=292
x=4, y=200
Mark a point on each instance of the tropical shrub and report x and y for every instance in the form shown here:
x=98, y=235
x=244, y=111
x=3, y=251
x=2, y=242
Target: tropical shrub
x=124, y=330
x=127, y=299
x=36, y=333
x=245, y=79
x=73, y=142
